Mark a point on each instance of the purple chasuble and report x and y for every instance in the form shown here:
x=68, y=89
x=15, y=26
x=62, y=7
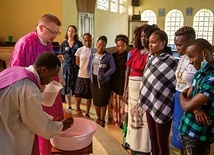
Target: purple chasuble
x=27, y=50
x=14, y=74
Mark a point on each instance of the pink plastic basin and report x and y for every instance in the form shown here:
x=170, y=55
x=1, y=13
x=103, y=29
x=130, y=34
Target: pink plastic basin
x=77, y=137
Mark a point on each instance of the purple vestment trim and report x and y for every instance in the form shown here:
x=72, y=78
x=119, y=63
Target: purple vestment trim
x=14, y=74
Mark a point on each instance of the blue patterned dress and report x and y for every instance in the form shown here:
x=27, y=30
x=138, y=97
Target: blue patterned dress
x=70, y=69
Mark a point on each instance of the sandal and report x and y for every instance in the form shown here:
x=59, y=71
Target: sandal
x=102, y=123
x=98, y=121
x=79, y=112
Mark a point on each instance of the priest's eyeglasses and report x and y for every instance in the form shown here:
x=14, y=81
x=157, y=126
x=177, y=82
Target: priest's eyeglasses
x=54, y=33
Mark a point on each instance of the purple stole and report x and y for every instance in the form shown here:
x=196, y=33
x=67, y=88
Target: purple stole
x=14, y=74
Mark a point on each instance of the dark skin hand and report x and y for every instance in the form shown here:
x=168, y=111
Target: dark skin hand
x=67, y=122
x=201, y=117
x=194, y=104
x=125, y=90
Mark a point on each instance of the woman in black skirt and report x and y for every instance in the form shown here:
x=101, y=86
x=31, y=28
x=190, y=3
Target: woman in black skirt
x=101, y=66
x=82, y=89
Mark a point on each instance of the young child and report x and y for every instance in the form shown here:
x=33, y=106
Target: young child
x=157, y=91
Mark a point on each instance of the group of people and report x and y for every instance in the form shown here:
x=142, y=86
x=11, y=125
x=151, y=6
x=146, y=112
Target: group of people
x=87, y=72
x=150, y=81
x=163, y=93
x=155, y=91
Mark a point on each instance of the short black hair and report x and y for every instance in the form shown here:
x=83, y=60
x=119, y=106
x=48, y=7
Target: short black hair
x=87, y=34
x=48, y=60
x=123, y=38
x=164, y=37
x=187, y=31
x=162, y=34
x=201, y=44
x=103, y=38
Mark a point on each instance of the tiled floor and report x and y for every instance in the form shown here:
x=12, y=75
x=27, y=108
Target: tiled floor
x=115, y=131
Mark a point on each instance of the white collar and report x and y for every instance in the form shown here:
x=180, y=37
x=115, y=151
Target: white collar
x=43, y=42
x=33, y=70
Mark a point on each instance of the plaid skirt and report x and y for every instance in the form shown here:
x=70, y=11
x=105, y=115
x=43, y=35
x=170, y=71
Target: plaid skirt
x=82, y=88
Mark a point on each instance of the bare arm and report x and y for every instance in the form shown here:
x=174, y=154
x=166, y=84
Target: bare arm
x=125, y=90
x=77, y=60
x=199, y=113
x=189, y=92
x=189, y=105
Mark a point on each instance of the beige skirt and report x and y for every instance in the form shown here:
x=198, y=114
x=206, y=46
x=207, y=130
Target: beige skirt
x=138, y=132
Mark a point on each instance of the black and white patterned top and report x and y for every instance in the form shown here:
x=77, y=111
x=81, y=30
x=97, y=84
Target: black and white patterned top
x=158, y=87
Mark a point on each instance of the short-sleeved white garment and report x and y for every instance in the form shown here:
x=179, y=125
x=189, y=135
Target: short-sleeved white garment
x=84, y=54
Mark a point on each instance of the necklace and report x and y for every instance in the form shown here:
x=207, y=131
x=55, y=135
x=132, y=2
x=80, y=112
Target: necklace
x=180, y=73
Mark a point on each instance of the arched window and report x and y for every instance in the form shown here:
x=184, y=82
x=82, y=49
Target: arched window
x=122, y=6
x=150, y=16
x=114, y=5
x=174, y=21
x=103, y=5
x=203, y=24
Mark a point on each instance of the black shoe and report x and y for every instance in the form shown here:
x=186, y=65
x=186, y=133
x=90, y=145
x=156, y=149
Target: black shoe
x=69, y=107
x=121, y=126
x=87, y=115
x=125, y=146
